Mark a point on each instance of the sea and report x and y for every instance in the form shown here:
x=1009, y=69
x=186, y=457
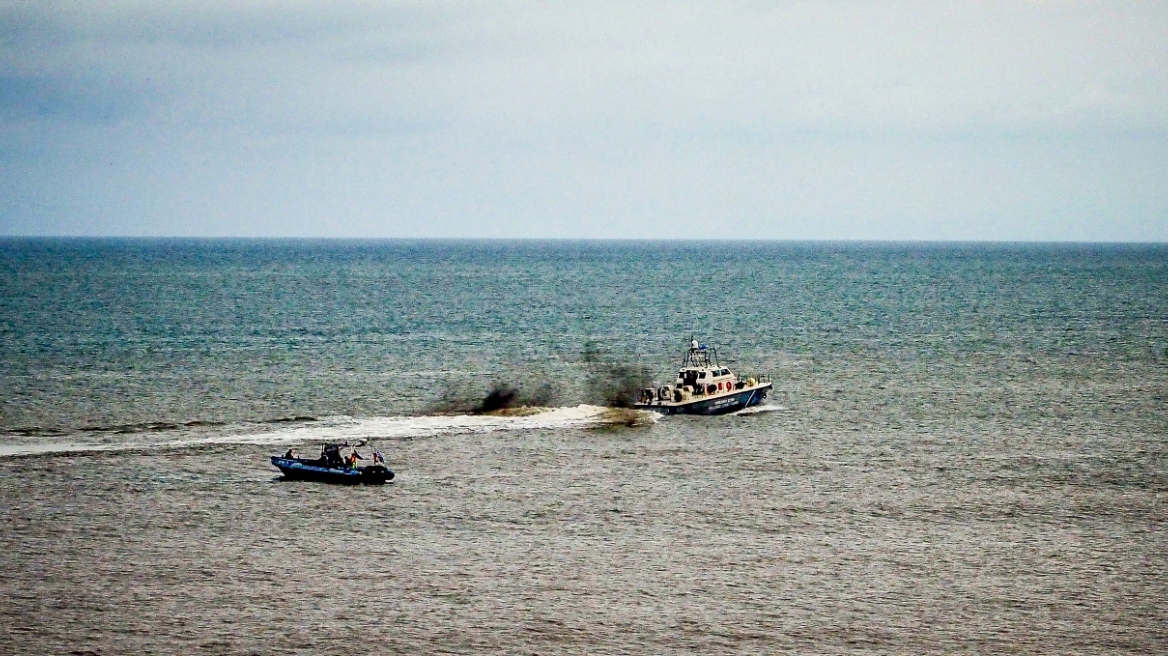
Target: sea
x=965, y=450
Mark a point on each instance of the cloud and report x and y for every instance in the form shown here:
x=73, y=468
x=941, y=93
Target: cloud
x=576, y=119
x=788, y=65
x=88, y=101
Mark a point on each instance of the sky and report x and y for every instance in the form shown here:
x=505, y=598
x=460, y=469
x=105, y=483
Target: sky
x=1023, y=120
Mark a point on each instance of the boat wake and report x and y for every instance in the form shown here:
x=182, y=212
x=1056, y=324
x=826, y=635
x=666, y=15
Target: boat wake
x=338, y=429
x=759, y=409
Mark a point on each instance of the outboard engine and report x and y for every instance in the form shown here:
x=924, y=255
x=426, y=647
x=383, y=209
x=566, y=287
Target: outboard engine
x=376, y=475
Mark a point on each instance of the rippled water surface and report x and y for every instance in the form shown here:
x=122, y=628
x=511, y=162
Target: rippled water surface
x=965, y=451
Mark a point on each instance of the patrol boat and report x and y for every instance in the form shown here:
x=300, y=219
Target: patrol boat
x=704, y=387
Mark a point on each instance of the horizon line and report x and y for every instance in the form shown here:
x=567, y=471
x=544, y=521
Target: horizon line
x=173, y=238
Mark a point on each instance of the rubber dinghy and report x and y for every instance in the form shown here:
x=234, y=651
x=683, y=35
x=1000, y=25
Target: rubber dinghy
x=331, y=467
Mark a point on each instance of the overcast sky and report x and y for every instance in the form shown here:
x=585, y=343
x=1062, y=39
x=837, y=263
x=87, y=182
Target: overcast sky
x=1011, y=120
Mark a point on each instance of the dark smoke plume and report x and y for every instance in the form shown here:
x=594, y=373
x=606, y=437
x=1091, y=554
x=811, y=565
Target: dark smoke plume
x=612, y=382
x=500, y=396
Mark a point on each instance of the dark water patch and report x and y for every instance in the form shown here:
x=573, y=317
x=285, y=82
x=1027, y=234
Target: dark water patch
x=34, y=431
x=145, y=427
x=289, y=420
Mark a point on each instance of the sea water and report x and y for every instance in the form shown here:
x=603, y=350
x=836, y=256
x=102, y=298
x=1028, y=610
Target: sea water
x=964, y=449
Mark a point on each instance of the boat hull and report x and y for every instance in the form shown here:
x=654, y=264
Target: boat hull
x=717, y=404
x=305, y=470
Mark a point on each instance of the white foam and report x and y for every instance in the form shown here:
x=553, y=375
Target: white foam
x=756, y=409
x=353, y=429
x=36, y=448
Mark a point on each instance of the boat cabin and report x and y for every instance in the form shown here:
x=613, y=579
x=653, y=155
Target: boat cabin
x=700, y=374
x=703, y=378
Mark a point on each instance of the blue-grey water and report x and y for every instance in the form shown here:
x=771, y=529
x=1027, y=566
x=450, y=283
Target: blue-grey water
x=964, y=452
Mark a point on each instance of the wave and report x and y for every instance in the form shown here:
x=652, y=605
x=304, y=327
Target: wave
x=313, y=430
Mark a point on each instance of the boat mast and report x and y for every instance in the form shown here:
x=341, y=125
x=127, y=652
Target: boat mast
x=700, y=355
